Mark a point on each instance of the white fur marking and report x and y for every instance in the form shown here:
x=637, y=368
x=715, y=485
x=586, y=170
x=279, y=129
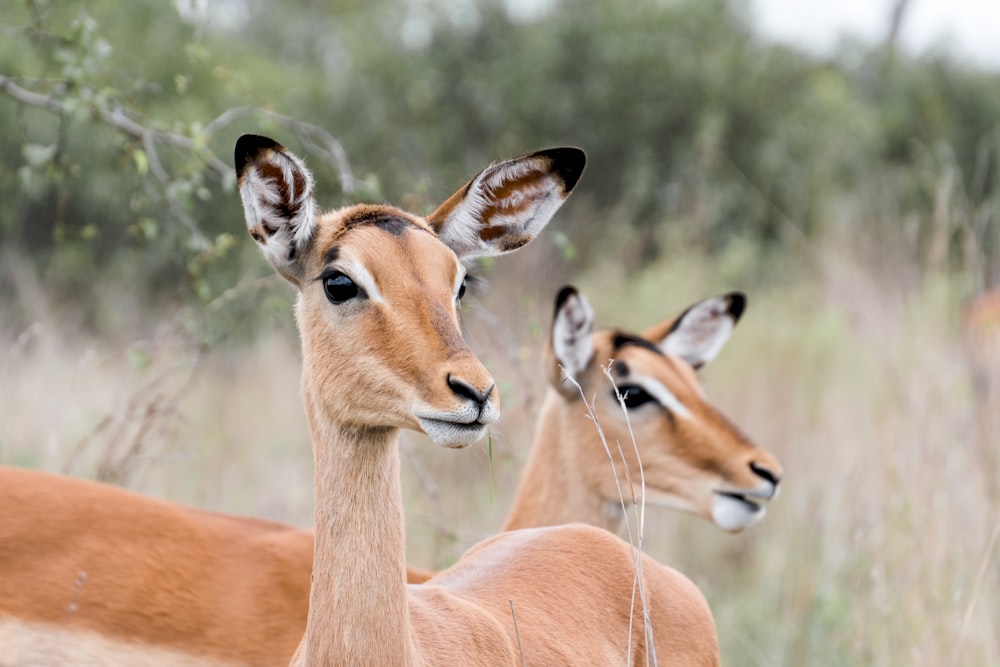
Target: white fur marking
x=360, y=275
x=733, y=514
x=663, y=396
x=41, y=645
x=456, y=428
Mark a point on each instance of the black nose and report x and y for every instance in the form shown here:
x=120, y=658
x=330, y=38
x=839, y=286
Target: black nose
x=468, y=391
x=764, y=473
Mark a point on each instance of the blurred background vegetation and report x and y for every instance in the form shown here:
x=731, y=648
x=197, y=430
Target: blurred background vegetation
x=854, y=196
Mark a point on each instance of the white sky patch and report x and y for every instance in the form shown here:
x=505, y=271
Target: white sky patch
x=529, y=10
x=417, y=31
x=968, y=29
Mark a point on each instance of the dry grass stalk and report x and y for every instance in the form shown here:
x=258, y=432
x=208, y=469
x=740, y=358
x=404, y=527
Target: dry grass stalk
x=635, y=541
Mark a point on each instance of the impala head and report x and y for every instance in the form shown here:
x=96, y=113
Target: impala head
x=693, y=458
x=380, y=288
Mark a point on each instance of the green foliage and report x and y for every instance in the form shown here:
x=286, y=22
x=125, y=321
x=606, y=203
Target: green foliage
x=119, y=157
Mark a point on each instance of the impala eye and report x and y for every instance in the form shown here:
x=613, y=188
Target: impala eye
x=339, y=288
x=461, y=289
x=633, y=395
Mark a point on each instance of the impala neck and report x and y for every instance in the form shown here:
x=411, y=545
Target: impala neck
x=554, y=487
x=358, y=611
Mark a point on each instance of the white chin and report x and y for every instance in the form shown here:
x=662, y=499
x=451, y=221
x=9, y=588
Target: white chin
x=450, y=434
x=734, y=514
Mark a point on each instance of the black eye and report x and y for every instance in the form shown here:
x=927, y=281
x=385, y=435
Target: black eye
x=633, y=395
x=461, y=289
x=339, y=288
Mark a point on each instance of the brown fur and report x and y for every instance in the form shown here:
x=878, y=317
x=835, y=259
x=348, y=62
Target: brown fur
x=158, y=596
x=568, y=477
x=565, y=480
x=570, y=588
x=555, y=489
x=81, y=556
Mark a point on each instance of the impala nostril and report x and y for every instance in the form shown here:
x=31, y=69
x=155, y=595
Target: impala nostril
x=764, y=473
x=466, y=390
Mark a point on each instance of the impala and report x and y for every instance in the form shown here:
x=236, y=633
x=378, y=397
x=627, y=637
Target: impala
x=83, y=601
x=378, y=316
x=83, y=596
x=692, y=457
x=138, y=584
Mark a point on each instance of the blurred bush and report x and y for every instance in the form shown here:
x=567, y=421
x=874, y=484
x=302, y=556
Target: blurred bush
x=115, y=162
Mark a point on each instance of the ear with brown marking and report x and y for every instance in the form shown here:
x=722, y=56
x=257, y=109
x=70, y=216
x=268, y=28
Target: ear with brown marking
x=571, y=345
x=277, y=193
x=699, y=333
x=508, y=203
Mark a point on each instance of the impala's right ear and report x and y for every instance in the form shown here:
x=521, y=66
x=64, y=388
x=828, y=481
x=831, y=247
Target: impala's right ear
x=700, y=332
x=277, y=193
x=508, y=203
x=571, y=344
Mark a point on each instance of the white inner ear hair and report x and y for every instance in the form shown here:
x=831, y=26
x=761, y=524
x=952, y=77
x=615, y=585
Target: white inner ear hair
x=263, y=204
x=463, y=227
x=571, y=335
x=702, y=332
x=529, y=205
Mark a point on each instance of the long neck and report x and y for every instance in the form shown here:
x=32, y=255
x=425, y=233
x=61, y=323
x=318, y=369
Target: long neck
x=358, y=610
x=554, y=487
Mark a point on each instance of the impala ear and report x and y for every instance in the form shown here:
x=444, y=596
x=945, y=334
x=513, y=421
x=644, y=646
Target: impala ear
x=700, y=332
x=508, y=203
x=277, y=193
x=571, y=344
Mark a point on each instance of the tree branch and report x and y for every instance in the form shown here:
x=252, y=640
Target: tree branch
x=317, y=140
x=116, y=118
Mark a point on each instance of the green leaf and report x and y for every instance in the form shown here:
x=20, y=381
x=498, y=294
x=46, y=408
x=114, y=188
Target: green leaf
x=150, y=228
x=38, y=155
x=141, y=161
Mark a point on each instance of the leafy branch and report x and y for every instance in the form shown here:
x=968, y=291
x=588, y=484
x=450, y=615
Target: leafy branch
x=315, y=139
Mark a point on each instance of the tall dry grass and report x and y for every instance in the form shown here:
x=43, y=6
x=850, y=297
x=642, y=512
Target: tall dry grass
x=881, y=549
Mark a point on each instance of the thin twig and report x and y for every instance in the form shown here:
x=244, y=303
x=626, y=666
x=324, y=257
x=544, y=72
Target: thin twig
x=640, y=519
x=154, y=401
x=317, y=140
x=984, y=566
x=116, y=118
x=636, y=551
x=517, y=633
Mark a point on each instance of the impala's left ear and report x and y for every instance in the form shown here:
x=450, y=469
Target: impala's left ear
x=277, y=194
x=700, y=332
x=508, y=203
x=570, y=347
